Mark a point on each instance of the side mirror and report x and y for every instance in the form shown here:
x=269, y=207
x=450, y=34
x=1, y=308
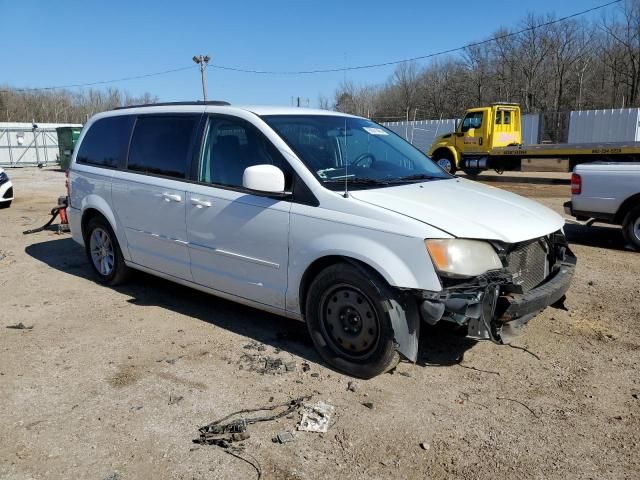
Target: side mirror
x=263, y=178
x=471, y=132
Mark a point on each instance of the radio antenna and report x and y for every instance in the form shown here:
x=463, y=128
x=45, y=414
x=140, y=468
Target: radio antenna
x=345, y=159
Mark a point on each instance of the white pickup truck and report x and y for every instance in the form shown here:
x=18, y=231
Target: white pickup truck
x=608, y=192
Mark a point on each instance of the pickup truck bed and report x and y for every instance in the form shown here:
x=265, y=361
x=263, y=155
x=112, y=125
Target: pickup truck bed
x=608, y=192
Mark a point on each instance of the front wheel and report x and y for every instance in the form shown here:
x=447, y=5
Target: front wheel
x=447, y=164
x=104, y=252
x=5, y=204
x=631, y=228
x=347, y=314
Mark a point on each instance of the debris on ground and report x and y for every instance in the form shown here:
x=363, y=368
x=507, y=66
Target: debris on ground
x=316, y=417
x=265, y=365
x=20, y=326
x=369, y=405
x=425, y=445
x=352, y=386
x=173, y=399
x=283, y=437
x=253, y=345
x=305, y=367
x=234, y=427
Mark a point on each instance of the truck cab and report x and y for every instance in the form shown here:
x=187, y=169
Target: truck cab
x=481, y=129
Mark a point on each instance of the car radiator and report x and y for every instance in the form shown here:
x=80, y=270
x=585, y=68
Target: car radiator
x=529, y=263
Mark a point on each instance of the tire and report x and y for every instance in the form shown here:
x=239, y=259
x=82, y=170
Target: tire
x=472, y=172
x=631, y=228
x=108, y=264
x=5, y=204
x=447, y=164
x=347, y=314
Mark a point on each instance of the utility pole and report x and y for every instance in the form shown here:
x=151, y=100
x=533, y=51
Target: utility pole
x=203, y=60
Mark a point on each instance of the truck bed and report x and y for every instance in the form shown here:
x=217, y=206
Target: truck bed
x=567, y=150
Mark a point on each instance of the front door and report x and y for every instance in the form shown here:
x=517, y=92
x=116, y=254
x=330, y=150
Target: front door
x=238, y=241
x=471, y=138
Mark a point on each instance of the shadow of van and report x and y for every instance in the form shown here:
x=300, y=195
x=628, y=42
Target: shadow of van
x=439, y=346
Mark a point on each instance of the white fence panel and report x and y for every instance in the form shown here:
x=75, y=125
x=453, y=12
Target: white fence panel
x=530, y=129
x=422, y=132
x=611, y=125
x=21, y=144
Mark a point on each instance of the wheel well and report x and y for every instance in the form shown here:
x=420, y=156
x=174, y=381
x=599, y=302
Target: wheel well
x=320, y=264
x=626, y=206
x=443, y=152
x=88, y=214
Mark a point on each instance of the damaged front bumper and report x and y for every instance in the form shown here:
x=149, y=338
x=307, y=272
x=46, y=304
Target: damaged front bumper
x=488, y=306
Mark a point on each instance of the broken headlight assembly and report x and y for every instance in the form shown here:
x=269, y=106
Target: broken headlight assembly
x=462, y=258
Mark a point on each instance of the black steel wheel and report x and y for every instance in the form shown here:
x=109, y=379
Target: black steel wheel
x=349, y=322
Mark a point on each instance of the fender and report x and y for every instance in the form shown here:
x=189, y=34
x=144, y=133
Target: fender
x=394, y=265
x=398, y=271
x=405, y=321
x=96, y=202
x=445, y=146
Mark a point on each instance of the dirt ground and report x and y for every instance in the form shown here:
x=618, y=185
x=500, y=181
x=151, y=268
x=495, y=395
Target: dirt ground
x=113, y=383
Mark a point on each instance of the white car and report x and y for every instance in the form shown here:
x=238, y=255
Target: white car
x=608, y=192
x=318, y=216
x=6, y=189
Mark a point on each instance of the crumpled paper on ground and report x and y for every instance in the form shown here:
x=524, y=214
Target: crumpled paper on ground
x=316, y=417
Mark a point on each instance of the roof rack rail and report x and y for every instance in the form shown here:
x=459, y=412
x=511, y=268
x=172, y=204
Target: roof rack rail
x=219, y=103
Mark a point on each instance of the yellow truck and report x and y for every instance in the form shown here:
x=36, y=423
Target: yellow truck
x=491, y=138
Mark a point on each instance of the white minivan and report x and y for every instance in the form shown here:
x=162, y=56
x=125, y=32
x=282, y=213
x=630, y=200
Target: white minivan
x=315, y=215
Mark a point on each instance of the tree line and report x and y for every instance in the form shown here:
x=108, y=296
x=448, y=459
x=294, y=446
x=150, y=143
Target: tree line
x=63, y=106
x=569, y=65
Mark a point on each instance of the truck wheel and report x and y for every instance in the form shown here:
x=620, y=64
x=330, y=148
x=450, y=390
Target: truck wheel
x=447, y=164
x=631, y=228
x=104, y=252
x=5, y=204
x=347, y=314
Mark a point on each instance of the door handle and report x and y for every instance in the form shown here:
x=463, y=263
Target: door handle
x=171, y=197
x=200, y=203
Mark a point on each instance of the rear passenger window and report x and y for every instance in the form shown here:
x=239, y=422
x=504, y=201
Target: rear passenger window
x=160, y=144
x=105, y=144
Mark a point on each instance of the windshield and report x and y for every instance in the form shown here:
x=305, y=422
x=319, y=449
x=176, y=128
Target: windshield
x=357, y=150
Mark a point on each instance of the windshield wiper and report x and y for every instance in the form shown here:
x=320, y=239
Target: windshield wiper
x=417, y=176
x=359, y=181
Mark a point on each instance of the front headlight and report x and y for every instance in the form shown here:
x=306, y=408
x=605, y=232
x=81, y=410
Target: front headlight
x=465, y=258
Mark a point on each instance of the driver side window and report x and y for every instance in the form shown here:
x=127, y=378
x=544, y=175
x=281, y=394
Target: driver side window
x=232, y=145
x=472, y=120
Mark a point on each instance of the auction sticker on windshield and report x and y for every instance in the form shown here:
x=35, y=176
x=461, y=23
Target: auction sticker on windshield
x=374, y=131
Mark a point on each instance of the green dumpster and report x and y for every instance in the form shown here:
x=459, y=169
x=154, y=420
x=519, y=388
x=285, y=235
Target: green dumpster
x=67, y=139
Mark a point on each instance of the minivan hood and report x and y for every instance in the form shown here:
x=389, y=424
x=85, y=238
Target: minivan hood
x=467, y=209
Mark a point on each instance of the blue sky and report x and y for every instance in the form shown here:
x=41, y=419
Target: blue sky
x=49, y=43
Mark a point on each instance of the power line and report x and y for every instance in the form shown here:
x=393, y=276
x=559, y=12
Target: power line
x=326, y=70
x=421, y=57
x=101, y=82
